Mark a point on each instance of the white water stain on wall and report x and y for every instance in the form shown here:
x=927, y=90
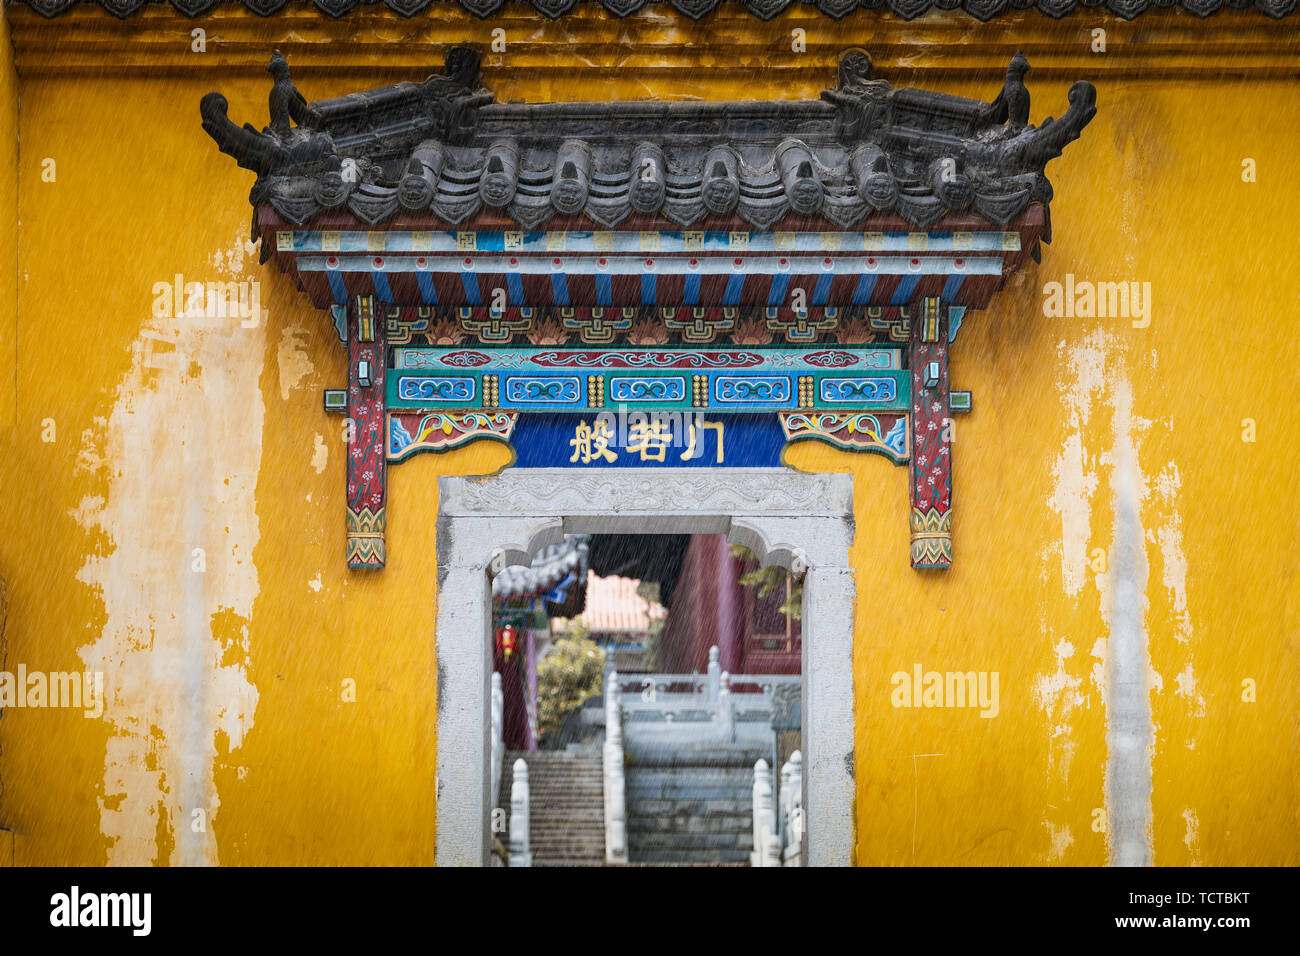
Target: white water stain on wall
x=1130, y=735
x=183, y=445
x=1075, y=482
x=1062, y=694
x=1094, y=372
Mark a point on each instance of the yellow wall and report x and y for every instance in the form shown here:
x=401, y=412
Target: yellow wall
x=170, y=435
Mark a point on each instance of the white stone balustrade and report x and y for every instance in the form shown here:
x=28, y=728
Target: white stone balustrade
x=614, y=783
x=685, y=698
x=520, y=853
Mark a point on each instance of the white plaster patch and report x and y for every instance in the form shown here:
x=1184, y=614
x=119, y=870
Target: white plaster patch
x=183, y=447
x=1186, y=686
x=1057, y=695
x=315, y=583
x=1190, y=836
x=320, y=456
x=1062, y=839
x=292, y=358
x=1083, y=376
x=1097, y=673
x=1173, y=562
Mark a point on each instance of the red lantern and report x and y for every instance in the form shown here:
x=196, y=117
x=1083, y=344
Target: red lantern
x=506, y=640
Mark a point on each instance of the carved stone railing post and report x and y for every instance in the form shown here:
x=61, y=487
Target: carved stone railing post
x=615, y=794
x=726, y=716
x=783, y=804
x=792, y=852
x=715, y=675
x=765, y=835
x=498, y=738
x=520, y=854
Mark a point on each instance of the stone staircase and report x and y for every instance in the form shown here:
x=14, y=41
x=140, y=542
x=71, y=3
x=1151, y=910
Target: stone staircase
x=691, y=806
x=567, y=805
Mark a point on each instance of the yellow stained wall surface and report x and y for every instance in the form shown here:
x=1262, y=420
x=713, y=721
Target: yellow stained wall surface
x=173, y=491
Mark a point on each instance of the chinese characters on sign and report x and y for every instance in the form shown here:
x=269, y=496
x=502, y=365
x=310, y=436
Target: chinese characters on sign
x=688, y=439
x=650, y=439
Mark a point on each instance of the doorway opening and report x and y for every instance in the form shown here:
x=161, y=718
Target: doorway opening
x=666, y=668
x=800, y=523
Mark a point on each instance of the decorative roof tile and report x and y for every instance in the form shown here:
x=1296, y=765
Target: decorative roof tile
x=695, y=9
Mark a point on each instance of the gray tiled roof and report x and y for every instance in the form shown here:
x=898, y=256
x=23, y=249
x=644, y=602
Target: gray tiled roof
x=445, y=147
x=549, y=567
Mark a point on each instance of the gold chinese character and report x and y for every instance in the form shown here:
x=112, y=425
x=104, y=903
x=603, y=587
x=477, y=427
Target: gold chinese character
x=329, y=241
x=830, y=240
x=739, y=240
x=555, y=241
x=375, y=241
x=649, y=440
x=467, y=241
x=873, y=240
x=963, y=240
x=649, y=241
x=694, y=239
x=690, y=448
x=1011, y=240
x=785, y=240
x=603, y=241
x=589, y=443
x=284, y=241
x=514, y=240
x=918, y=240
x=421, y=241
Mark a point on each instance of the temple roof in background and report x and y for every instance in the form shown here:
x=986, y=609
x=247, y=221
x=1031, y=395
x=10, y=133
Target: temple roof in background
x=550, y=569
x=695, y=9
x=445, y=147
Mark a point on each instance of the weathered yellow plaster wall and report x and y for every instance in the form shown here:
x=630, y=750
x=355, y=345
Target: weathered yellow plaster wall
x=139, y=439
x=9, y=209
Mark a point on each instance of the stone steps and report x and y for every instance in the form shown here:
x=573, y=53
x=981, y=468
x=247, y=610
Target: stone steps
x=691, y=808
x=566, y=804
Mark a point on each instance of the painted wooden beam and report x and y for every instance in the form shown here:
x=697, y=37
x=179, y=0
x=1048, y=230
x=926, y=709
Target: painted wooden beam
x=366, y=454
x=931, y=471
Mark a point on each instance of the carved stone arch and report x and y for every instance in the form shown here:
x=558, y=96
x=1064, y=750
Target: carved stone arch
x=779, y=553
x=521, y=555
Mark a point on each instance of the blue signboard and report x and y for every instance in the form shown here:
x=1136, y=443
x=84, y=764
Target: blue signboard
x=648, y=440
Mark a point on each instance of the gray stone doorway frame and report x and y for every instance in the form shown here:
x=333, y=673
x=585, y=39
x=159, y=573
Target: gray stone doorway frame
x=802, y=522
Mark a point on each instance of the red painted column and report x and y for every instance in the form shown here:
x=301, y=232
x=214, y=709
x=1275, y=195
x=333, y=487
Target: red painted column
x=931, y=468
x=366, y=458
